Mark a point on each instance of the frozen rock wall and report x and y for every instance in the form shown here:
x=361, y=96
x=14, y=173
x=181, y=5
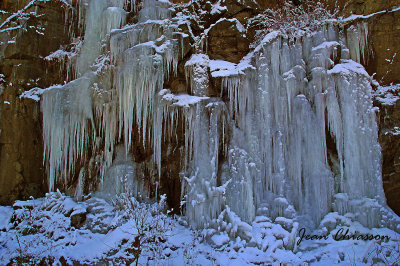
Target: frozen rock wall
x=288, y=130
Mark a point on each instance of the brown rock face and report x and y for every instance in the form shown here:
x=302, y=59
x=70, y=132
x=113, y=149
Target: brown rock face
x=21, y=62
x=227, y=41
x=365, y=7
x=389, y=117
x=385, y=39
x=384, y=64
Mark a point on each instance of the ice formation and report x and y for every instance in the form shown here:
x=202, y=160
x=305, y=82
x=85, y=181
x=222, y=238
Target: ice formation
x=299, y=93
x=144, y=55
x=292, y=135
x=67, y=118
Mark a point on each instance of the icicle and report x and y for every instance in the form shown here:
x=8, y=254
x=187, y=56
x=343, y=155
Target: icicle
x=154, y=10
x=280, y=115
x=357, y=41
x=361, y=152
x=79, y=189
x=67, y=117
x=124, y=176
x=95, y=31
x=204, y=198
x=144, y=54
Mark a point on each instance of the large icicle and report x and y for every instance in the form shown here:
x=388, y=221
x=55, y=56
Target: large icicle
x=144, y=54
x=67, y=121
x=280, y=111
x=67, y=110
x=196, y=72
x=357, y=41
x=111, y=17
x=203, y=192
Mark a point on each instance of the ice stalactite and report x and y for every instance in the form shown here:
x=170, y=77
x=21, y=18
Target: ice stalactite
x=121, y=96
x=362, y=181
x=106, y=119
x=202, y=188
x=67, y=126
x=238, y=173
x=204, y=123
x=112, y=17
x=357, y=39
x=282, y=109
x=144, y=53
x=362, y=152
x=68, y=120
x=154, y=10
x=123, y=176
x=263, y=152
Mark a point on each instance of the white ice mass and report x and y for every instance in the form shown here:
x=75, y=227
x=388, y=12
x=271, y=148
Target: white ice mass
x=286, y=99
x=290, y=142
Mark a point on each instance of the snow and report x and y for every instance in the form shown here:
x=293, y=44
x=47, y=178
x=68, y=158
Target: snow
x=395, y=131
x=33, y=94
x=220, y=68
x=355, y=17
x=348, y=67
x=219, y=240
x=56, y=238
x=58, y=55
x=220, y=64
x=217, y=8
x=387, y=95
x=254, y=155
x=325, y=45
x=5, y=215
x=238, y=25
x=182, y=100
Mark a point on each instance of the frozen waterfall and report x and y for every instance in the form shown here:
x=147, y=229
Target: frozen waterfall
x=293, y=133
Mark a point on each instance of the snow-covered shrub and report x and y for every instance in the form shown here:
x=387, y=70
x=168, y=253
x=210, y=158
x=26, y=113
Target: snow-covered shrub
x=292, y=20
x=151, y=224
x=382, y=253
x=36, y=226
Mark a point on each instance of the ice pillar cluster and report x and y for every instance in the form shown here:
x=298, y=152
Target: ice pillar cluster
x=292, y=134
x=307, y=127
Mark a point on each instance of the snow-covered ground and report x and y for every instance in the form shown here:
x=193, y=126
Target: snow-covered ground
x=54, y=230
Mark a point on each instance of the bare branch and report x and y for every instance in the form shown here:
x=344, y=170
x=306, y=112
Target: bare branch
x=19, y=14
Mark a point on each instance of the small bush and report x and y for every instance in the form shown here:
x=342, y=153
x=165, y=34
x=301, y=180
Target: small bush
x=151, y=224
x=292, y=20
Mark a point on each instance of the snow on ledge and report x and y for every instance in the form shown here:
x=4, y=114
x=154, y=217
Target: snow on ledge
x=354, y=17
x=36, y=93
x=181, y=100
x=198, y=59
x=221, y=68
x=387, y=95
x=348, y=68
x=33, y=94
